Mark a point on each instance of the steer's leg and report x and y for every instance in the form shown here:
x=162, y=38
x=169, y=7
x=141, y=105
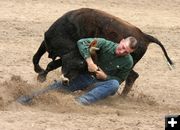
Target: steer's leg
x=51, y=66
x=37, y=57
x=129, y=82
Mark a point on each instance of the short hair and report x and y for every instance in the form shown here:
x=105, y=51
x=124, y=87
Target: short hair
x=132, y=42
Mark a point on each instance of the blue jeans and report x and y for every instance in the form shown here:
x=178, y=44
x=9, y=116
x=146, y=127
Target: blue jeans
x=100, y=90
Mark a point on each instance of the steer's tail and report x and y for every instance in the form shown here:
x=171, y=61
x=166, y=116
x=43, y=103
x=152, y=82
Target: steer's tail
x=155, y=40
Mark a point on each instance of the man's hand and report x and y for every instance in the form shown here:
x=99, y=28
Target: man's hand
x=100, y=74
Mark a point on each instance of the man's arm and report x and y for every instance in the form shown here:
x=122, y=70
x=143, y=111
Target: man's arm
x=83, y=46
x=91, y=66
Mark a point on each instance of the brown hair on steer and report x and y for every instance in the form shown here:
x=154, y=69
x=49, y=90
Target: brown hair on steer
x=62, y=36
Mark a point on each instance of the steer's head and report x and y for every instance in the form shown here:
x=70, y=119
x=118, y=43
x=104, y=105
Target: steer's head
x=72, y=65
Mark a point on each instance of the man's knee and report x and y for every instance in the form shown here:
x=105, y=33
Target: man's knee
x=114, y=84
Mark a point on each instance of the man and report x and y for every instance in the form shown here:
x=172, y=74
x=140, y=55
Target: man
x=113, y=66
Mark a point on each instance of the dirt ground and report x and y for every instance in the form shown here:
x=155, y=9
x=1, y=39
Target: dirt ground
x=155, y=94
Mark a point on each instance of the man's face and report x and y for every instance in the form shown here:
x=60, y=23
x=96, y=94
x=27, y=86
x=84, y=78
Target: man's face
x=123, y=48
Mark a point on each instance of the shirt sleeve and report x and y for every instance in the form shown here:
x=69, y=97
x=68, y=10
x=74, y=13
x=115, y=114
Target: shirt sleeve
x=83, y=45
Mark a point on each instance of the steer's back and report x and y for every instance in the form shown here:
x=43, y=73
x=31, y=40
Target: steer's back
x=96, y=23
x=82, y=23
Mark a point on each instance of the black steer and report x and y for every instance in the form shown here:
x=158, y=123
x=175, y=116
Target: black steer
x=61, y=38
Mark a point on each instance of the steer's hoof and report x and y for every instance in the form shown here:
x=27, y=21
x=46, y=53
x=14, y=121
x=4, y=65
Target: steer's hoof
x=41, y=77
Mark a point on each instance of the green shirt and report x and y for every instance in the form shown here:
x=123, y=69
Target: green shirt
x=116, y=67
